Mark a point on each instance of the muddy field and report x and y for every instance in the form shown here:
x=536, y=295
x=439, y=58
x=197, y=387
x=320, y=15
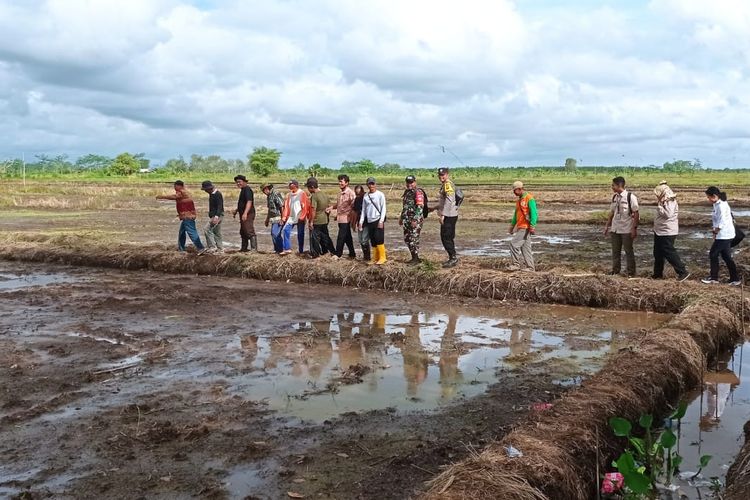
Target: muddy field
x=136, y=384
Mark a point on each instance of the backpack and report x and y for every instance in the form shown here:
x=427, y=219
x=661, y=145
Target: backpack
x=459, y=196
x=630, y=207
x=425, y=208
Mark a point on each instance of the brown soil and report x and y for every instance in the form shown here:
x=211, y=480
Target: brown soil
x=738, y=475
x=79, y=419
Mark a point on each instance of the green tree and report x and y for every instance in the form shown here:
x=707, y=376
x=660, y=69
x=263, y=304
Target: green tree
x=570, y=164
x=92, y=162
x=314, y=170
x=264, y=161
x=679, y=166
x=124, y=164
x=176, y=165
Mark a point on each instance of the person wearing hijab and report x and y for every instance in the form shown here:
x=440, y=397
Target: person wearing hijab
x=666, y=229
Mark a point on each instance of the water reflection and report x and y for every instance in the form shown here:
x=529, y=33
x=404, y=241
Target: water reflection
x=714, y=420
x=362, y=361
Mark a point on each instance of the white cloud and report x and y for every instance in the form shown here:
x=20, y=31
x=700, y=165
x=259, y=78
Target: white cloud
x=496, y=81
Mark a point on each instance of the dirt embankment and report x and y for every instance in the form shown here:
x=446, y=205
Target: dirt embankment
x=563, y=448
x=476, y=278
x=738, y=475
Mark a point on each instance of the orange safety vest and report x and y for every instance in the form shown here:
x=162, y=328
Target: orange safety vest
x=522, y=211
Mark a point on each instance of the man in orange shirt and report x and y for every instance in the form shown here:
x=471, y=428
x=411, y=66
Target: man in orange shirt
x=522, y=227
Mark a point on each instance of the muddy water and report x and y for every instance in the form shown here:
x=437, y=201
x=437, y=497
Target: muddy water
x=180, y=384
x=363, y=361
x=714, y=420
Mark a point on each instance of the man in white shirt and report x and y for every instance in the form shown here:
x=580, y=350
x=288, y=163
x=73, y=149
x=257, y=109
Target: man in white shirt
x=373, y=217
x=622, y=226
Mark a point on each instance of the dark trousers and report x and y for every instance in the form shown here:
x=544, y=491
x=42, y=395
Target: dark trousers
x=664, y=250
x=722, y=248
x=247, y=229
x=345, y=238
x=448, y=235
x=622, y=242
x=377, y=234
x=320, y=241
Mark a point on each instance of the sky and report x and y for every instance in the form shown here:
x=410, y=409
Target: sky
x=496, y=82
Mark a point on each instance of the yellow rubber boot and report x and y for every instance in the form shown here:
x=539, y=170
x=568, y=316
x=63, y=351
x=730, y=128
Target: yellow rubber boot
x=375, y=255
x=381, y=255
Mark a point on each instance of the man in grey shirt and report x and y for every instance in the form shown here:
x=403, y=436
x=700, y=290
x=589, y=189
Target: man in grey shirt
x=448, y=212
x=622, y=226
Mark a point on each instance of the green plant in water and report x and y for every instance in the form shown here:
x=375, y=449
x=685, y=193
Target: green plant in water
x=652, y=459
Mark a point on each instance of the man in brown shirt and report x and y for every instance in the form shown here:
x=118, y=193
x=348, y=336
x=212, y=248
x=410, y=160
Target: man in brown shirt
x=186, y=213
x=344, y=213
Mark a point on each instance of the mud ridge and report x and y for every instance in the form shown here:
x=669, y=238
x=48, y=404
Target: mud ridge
x=562, y=447
x=471, y=279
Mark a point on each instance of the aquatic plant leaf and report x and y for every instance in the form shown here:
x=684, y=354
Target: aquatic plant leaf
x=646, y=421
x=625, y=463
x=704, y=460
x=680, y=411
x=668, y=439
x=620, y=426
x=637, y=482
x=639, y=445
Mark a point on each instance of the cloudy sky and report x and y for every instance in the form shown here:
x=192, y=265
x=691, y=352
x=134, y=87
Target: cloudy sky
x=498, y=82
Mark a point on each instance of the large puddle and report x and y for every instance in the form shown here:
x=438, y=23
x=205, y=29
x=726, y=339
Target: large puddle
x=714, y=420
x=360, y=361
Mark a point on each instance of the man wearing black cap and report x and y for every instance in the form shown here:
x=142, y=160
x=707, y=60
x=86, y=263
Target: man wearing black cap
x=275, y=204
x=246, y=209
x=212, y=231
x=373, y=218
x=412, y=217
x=448, y=211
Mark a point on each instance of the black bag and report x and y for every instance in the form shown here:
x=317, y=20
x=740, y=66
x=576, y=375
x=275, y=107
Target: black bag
x=739, y=235
x=425, y=208
x=459, y=196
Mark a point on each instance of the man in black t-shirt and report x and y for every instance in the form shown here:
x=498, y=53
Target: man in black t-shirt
x=246, y=209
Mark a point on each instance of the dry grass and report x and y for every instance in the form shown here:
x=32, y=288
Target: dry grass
x=738, y=475
x=560, y=445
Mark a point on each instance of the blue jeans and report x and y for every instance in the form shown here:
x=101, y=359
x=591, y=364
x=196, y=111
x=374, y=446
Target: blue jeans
x=187, y=228
x=277, y=237
x=287, y=236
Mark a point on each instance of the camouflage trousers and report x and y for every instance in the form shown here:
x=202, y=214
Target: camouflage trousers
x=412, y=230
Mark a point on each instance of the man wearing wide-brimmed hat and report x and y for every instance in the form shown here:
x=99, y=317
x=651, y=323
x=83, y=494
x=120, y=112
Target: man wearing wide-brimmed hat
x=522, y=227
x=212, y=231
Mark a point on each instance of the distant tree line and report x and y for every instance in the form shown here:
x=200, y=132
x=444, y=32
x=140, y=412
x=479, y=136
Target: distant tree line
x=261, y=162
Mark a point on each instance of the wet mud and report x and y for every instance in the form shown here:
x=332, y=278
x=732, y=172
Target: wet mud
x=137, y=384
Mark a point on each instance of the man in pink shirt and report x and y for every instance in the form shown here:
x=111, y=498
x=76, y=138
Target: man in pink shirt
x=344, y=214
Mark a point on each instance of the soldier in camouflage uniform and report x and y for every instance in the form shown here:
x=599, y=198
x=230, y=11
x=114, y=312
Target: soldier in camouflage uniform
x=412, y=217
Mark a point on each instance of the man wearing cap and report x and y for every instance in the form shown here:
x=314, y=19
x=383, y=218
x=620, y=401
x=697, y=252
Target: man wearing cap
x=448, y=212
x=522, y=228
x=187, y=214
x=412, y=217
x=294, y=213
x=344, y=211
x=246, y=209
x=373, y=218
x=274, y=203
x=320, y=240
x=212, y=231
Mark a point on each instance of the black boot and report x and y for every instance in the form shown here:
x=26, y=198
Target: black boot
x=414, y=259
x=366, y=253
x=451, y=262
x=245, y=242
x=254, y=243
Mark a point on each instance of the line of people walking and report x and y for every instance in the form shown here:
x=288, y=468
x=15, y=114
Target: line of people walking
x=363, y=211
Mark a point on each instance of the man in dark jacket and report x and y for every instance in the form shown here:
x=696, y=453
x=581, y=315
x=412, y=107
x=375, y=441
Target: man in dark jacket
x=212, y=231
x=246, y=209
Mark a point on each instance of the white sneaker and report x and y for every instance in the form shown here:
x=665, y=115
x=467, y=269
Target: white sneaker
x=709, y=281
x=735, y=283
